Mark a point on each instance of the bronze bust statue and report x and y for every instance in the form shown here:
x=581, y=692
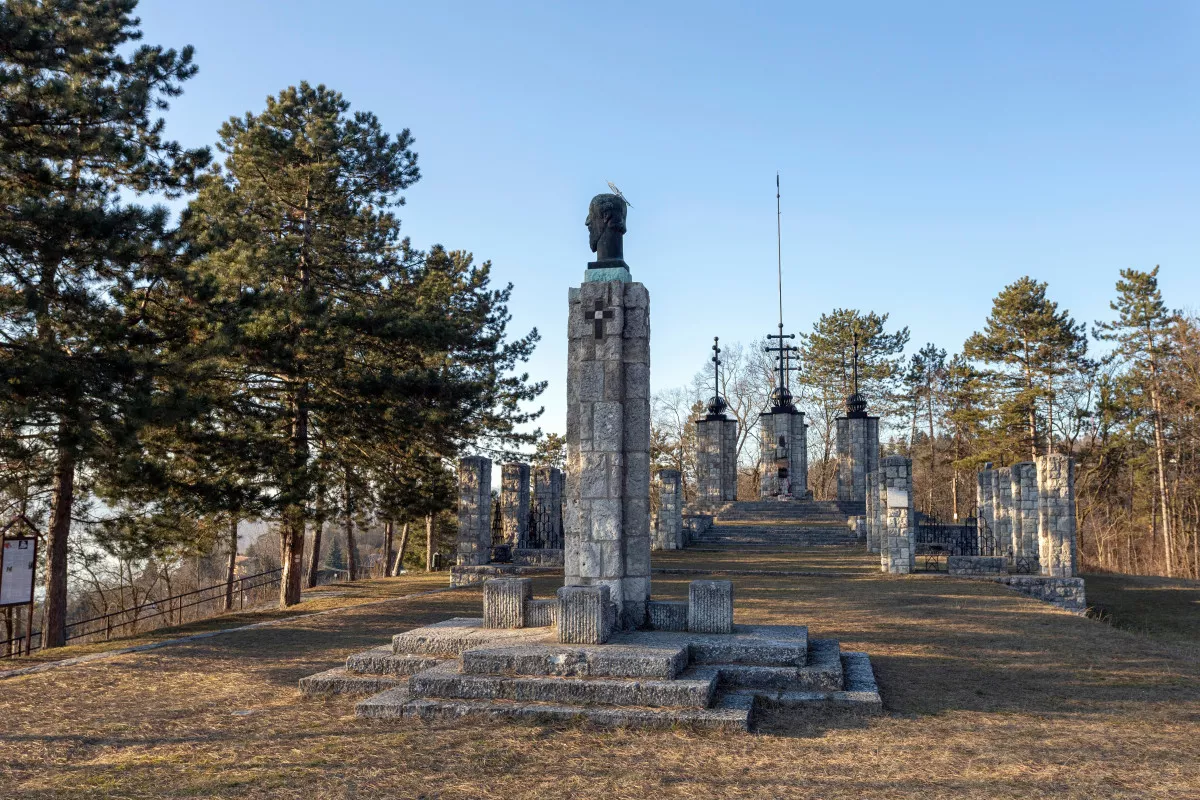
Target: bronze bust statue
x=606, y=226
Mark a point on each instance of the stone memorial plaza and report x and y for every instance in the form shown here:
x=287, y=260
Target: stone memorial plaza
x=603, y=648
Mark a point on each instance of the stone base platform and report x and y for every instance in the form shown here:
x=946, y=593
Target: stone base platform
x=548, y=562
x=461, y=669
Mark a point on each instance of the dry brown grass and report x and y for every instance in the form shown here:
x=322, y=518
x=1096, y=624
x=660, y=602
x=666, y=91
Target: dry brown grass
x=989, y=695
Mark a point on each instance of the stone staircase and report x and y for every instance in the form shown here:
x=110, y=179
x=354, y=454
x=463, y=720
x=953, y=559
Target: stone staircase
x=461, y=669
x=771, y=524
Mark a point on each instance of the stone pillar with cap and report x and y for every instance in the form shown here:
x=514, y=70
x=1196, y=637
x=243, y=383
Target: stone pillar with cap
x=474, y=511
x=514, y=504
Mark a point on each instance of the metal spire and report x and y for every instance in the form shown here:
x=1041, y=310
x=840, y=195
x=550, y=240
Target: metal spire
x=782, y=395
x=716, y=406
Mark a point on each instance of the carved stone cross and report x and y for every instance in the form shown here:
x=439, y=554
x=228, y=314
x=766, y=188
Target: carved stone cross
x=598, y=315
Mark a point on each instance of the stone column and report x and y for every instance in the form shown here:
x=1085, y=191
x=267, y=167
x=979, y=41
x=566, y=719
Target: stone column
x=1002, y=509
x=716, y=460
x=474, y=511
x=858, y=456
x=514, y=504
x=983, y=504
x=881, y=516
x=607, y=516
x=668, y=524
x=547, y=505
x=900, y=514
x=1056, y=515
x=1025, y=510
x=785, y=446
x=872, y=500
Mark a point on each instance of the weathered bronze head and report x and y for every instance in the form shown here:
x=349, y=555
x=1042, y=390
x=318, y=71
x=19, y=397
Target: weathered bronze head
x=606, y=226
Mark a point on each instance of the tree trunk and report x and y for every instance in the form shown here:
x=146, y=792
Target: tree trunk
x=1160, y=459
x=232, y=567
x=54, y=618
x=932, y=452
x=351, y=549
x=399, y=565
x=291, y=529
x=429, y=542
x=314, y=564
x=389, y=529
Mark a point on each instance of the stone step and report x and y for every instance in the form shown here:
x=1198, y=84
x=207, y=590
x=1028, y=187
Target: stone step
x=859, y=695
x=341, y=681
x=446, y=682
x=451, y=637
x=382, y=661
x=822, y=673
x=756, y=645
x=732, y=713
x=595, y=661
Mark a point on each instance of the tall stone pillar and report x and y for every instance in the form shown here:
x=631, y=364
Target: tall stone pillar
x=514, y=504
x=1002, y=510
x=872, y=500
x=607, y=519
x=984, y=506
x=901, y=515
x=474, y=511
x=1056, y=515
x=858, y=454
x=716, y=459
x=668, y=523
x=784, y=457
x=547, y=505
x=881, y=516
x=1025, y=510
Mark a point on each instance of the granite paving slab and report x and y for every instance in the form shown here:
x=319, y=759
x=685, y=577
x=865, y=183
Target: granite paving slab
x=453, y=636
x=648, y=660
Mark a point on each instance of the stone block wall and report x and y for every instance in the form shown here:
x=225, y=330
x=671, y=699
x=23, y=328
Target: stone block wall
x=1002, y=509
x=1066, y=593
x=985, y=487
x=474, y=510
x=607, y=506
x=514, y=505
x=1024, y=510
x=872, y=500
x=901, y=516
x=975, y=565
x=716, y=461
x=881, y=517
x=547, y=501
x=668, y=523
x=1056, y=516
x=858, y=456
x=787, y=427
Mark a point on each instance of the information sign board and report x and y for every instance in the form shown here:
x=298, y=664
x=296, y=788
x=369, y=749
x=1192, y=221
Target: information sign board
x=897, y=498
x=18, y=560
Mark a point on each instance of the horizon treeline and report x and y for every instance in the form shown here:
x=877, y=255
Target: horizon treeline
x=1025, y=384
x=281, y=353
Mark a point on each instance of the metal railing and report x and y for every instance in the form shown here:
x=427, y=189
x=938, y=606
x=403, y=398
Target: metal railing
x=171, y=607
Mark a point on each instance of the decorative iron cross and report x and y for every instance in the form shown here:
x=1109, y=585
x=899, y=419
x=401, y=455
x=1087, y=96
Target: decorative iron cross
x=716, y=359
x=598, y=316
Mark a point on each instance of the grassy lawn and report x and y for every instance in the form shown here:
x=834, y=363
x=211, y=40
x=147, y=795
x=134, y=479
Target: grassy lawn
x=988, y=694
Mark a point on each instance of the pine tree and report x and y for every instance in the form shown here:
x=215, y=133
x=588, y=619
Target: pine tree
x=78, y=261
x=336, y=559
x=1034, y=345
x=1141, y=333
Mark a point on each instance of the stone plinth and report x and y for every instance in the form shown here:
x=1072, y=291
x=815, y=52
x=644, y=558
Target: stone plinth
x=474, y=510
x=547, y=506
x=504, y=602
x=975, y=565
x=607, y=514
x=514, y=505
x=784, y=458
x=1024, y=510
x=668, y=522
x=585, y=614
x=901, y=549
x=1056, y=516
x=858, y=456
x=871, y=501
x=1002, y=509
x=716, y=460
x=710, y=607
x=984, y=496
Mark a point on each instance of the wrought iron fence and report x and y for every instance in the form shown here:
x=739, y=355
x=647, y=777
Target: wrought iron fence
x=545, y=526
x=172, y=608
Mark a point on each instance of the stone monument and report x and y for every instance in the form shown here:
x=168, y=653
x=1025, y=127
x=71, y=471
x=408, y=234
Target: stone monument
x=547, y=504
x=784, y=435
x=857, y=444
x=716, y=446
x=514, y=504
x=668, y=522
x=474, y=511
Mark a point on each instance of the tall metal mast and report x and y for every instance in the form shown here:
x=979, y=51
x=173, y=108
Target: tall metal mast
x=783, y=395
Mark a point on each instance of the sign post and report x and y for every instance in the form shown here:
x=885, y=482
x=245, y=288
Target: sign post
x=18, y=563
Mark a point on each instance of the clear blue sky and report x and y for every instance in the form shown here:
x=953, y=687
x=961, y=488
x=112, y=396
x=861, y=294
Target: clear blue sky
x=930, y=152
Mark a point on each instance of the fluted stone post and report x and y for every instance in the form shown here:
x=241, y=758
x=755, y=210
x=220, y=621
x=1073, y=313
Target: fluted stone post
x=710, y=607
x=984, y=505
x=504, y=602
x=514, y=504
x=900, y=515
x=607, y=516
x=716, y=460
x=1025, y=510
x=474, y=511
x=1056, y=515
x=585, y=614
x=1002, y=509
x=547, y=503
x=858, y=456
x=668, y=523
x=872, y=500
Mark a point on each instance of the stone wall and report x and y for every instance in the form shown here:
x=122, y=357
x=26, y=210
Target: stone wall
x=788, y=427
x=1024, y=510
x=474, y=510
x=547, y=501
x=716, y=461
x=901, y=516
x=607, y=514
x=975, y=565
x=668, y=522
x=858, y=456
x=1056, y=516
x=1002, y=509
x=1066, y=593
x=984, y=495
x=514, y=504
